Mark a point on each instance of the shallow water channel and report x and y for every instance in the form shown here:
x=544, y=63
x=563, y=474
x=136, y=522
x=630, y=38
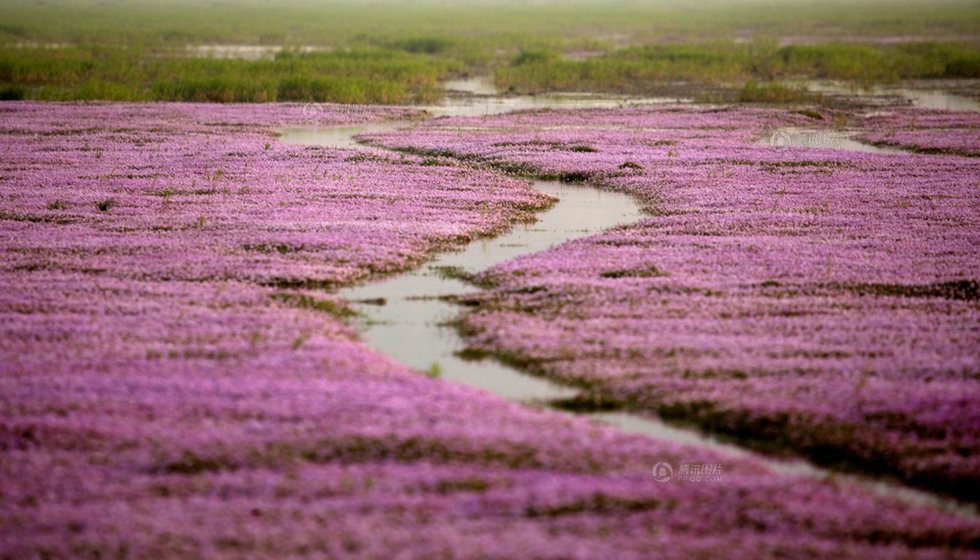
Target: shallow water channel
x=405, y=316
x=921, y=95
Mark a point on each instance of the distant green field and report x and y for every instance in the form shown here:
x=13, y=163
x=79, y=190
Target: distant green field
x=396, y=51
x=121, y=74
x=640, y=69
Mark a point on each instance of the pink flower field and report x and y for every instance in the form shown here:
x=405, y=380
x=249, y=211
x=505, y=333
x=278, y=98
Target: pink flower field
x=176, y=379
x=814, y=301
x=939, y=132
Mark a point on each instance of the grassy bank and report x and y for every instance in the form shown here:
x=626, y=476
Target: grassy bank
x=642, y=69
x=395, y=51
x=119, y=74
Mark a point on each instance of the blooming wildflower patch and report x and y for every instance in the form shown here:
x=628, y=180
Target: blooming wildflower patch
x=924, y=131
x=820, y=301
x=174, y=381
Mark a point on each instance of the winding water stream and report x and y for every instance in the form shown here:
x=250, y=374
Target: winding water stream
x=414, y=311
x=404, y=316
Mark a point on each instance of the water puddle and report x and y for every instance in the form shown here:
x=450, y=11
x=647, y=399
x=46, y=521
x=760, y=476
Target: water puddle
x=473, y=85
x=937, y=99
x=338, y=136
x=928, y=97
x=406, y=316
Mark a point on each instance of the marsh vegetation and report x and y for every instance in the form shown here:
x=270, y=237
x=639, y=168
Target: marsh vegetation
x=337, y=51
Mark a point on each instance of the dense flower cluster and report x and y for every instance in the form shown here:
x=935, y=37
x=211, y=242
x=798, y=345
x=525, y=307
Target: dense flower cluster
x=924, y=131
x=173, y=385
x=815, y=300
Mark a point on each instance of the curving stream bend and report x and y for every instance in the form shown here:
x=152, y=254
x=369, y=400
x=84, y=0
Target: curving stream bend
x=405, y=316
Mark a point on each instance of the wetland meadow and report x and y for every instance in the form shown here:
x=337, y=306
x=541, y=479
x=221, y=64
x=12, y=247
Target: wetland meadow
x=489, y=279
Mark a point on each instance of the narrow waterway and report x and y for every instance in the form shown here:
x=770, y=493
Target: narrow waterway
x=414, y=311
x=406, y=316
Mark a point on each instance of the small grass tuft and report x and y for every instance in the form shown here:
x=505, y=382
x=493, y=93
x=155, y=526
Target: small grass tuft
x=646, y=272
x=434, y=370
x=303, y=301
